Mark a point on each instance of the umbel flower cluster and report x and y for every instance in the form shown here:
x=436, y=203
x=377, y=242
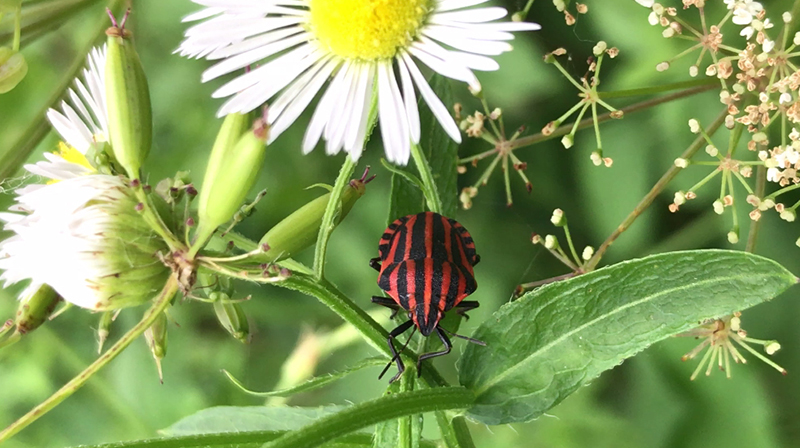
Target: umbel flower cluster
x=751, y=52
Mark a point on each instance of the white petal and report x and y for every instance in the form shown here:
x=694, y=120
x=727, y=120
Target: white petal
x=254, y=42
x=394, y=126
x=324, y=110
x=455, y=70
x=249, y=57
x=410, y=100
x=473, y=61
x=492, y=48
x=448, y=5
x=477, y=15
x=437, y=107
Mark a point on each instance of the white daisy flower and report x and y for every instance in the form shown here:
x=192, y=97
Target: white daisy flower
x=300, y=44
x=80, y=233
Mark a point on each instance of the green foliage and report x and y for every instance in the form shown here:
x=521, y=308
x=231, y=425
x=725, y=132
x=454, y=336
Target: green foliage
x=548, y=343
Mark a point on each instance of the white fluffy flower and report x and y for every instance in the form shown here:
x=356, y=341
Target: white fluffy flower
x=744, y=11
x=76, y=236
x=363, y=46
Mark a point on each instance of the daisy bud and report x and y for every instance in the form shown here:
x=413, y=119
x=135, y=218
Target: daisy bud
x=587, y=254
x=13, y=68
x=130, y=121
x=231, y=173
x=558, y=219
x=771, y=347
x=156, y=337
x=36, y=308
x=551, y=242
x=299, y=230
x=231, y=316
x=788, y=215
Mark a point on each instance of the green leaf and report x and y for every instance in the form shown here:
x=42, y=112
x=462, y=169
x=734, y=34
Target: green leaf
x=372, y=412
x=406, y=198
x=555, y=339
x=311, y=384
x=440, y=150
x=248, y=418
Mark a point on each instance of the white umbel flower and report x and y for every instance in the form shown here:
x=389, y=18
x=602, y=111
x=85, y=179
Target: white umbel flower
x=362, y=45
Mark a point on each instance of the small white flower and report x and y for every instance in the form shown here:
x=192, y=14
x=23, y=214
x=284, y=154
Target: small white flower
x=744, y=11
x=785, y=97
x=768, y=45
x=747, y=32
x=646, y=3
x=360, y=45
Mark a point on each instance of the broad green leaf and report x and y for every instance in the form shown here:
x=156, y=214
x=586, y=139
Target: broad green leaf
x=248, y=418
x=551, y=341
x=311, y=384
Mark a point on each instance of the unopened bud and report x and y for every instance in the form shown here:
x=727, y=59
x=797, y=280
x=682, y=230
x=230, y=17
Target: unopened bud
x=299, y=230
x=35, y=309
x=681, y=162
x=719, y=208
x=231, y=173
x=771, y=347
x=231, y=316
x=694, y=126
x=733, y=236
x=558, y=219
x=788, y=215
x=551, y=242
x=587, y=254
x=13, y=68
x=130, y=121
x=600, y=48
x=104, y=329
x=567, y=141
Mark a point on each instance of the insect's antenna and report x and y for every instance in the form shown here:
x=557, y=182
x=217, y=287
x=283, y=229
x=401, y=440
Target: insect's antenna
x=474, y=341
x=394, y=358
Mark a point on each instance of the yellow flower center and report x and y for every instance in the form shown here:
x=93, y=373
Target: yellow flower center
x=72, y=155
x=367, y=29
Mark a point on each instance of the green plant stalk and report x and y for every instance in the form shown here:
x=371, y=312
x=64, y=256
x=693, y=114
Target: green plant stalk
x=372, y=412
x=673, y=171
x=11, y=160
x=334, y=205
x=160, y=303
x=565, y=129
x=659, y=89
x=755, y=226
x=39, y=18
x=426, y=176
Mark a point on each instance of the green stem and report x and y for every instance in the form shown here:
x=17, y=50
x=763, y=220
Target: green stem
x=564, y=130
x=455, y=432
x=426, y=176
x=159, y=305
x=658, y=89
x=652, y=194
x=755, y=226
x=372, y=412
x=333, y=207
x=242, y=439
x=17, y=27
x=19, y=151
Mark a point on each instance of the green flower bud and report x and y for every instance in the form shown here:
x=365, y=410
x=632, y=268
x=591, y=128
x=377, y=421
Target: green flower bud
x=231, y=315
x=35, y=309
x=232, y=170
x=299, y=230
x=13, y=69
x=130, y=121
x=156, y=337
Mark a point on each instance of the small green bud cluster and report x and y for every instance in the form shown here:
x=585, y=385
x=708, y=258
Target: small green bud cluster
x=156, y=337
x=13, y=69
x=34, y=310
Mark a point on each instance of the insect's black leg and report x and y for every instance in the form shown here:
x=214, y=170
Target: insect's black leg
x=395, y=355
x=375, y=263
x=476, y=260
x=466, y=305
x=447, y=347
x=388, y=303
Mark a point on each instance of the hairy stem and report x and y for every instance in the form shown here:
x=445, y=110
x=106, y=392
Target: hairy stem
x=755, y=226
x=334, y=207
x=159, y=305
x=673, y=170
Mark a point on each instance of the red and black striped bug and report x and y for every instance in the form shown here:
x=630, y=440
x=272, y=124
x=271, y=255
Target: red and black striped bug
x=425, y=267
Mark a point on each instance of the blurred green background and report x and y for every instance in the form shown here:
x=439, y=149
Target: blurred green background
x=647, y=401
